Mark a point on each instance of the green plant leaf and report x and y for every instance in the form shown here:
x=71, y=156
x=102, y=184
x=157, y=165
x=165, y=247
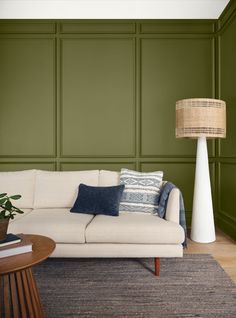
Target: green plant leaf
x=16, y=209
x=3, y=195
x=2, y=212
x=8, y=209
x=8, y=205
x=15, y=197
x=2, y=201
x=19, y=211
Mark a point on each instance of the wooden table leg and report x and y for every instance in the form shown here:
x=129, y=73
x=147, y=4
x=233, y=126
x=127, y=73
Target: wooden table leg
x=19, y=296
x=37, y=305
x=15, y=309
x=6, y=295
x=157, y=266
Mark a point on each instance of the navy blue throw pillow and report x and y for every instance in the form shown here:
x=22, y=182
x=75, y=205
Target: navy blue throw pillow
x=98, y=200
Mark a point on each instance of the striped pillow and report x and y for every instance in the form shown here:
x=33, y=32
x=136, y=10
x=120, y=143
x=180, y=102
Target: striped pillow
x=141, y=193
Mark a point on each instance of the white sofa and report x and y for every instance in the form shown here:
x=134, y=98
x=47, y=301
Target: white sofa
x=48, y=196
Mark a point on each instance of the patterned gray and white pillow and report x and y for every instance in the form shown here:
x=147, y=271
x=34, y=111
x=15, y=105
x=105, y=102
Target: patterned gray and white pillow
x=141, y=191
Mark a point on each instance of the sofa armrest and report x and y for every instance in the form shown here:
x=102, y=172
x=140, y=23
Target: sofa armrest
x=172, y=209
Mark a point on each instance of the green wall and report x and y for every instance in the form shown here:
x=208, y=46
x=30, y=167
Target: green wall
x=227, y=148
x=81, y=95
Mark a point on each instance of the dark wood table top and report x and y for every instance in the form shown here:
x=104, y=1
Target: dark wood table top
x=42, y=247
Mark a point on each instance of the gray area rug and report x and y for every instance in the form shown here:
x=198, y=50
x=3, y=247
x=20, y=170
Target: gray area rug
x=193, y=286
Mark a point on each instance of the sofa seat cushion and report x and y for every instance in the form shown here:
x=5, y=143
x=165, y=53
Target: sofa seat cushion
x=131, y=227
x=59, y=224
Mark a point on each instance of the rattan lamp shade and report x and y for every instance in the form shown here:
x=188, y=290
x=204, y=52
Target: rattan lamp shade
x=200, y=117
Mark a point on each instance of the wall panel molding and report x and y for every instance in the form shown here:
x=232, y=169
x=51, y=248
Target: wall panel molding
x=177, y=27
x=149, y=147
x=101, y=165
x=226, y=174
x=15, y=166
x=227, y=16
x=26, y=27
x=227, y=67
x=97, y=27
x=94, y=128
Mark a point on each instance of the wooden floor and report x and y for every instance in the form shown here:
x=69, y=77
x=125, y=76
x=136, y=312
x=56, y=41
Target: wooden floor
x=223, y=250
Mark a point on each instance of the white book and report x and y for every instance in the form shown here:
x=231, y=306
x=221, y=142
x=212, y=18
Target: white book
x=25, y=246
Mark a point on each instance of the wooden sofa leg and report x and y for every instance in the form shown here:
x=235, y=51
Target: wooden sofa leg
x=157, y=266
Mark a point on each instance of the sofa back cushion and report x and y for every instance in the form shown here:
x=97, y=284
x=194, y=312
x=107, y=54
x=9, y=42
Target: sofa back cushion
x=59, y=189
x=141, y=192
x=109, y=178
x=19, y=182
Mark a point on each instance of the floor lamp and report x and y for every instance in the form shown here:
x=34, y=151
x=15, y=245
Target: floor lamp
x=201, y=118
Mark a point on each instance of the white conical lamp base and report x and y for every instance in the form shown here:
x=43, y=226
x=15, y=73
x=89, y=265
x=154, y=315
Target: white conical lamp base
x=202, y=228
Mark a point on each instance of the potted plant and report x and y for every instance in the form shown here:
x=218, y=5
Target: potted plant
x=7, y=212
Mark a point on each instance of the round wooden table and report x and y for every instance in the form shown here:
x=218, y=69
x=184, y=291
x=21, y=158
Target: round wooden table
x=18, y=287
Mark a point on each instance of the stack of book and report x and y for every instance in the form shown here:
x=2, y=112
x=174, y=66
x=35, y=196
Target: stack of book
x=14, y=245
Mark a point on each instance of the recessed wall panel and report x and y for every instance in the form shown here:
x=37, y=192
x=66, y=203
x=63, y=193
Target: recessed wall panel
x=171, y=69
x=27, y=97
x=227, y=149
x=27, y=27
x=96, y=165
x=98, y=110
x=227, y=186
x=228, y=90
x=177, y=27
x=99, y=27
x=17, y=166
x=227, y=189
